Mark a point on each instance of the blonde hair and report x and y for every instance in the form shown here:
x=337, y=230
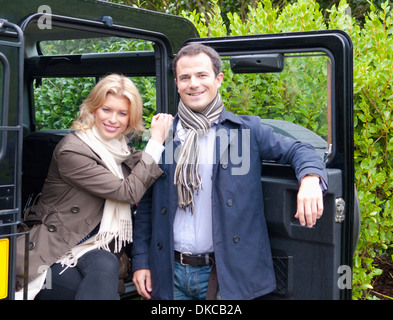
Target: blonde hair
x=119, y=86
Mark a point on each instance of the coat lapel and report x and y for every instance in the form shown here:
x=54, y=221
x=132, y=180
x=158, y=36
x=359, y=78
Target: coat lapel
x=226, y=133
x=172, y=146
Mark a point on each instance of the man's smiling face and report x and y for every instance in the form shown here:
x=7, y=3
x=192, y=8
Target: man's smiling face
x=196, y=82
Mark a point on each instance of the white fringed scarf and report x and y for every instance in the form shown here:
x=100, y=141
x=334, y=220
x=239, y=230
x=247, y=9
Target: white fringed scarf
x=116, y=220
x=187, y=177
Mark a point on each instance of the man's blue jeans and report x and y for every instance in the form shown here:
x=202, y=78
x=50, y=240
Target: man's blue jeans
x=191, y=282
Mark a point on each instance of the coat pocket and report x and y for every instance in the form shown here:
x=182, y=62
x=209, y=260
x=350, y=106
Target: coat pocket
x=30, y=215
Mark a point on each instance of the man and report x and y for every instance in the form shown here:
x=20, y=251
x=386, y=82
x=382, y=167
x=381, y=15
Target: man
x=204, y=219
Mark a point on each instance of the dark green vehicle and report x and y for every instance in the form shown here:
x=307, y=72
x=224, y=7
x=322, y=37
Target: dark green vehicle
x=309, y=263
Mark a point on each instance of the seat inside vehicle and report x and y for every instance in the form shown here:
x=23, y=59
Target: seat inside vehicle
x=38, y=148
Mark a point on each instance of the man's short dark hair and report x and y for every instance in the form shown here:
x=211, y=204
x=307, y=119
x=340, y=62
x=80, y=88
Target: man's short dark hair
x=194, y=49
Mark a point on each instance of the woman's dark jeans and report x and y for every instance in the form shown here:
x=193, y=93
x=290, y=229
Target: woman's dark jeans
x=95, y=277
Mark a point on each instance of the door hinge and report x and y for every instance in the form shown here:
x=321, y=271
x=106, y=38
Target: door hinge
x=340, y=210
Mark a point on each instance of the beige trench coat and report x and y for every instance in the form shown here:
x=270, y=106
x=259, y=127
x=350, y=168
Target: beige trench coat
x=72, y=200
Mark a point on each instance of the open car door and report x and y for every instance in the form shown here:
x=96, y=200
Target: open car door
x=301, y=83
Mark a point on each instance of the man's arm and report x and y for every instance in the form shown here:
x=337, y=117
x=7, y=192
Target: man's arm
x=140, y=249
x=309, y=167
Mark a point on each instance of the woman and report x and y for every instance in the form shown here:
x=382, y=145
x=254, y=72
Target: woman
x=84, y=208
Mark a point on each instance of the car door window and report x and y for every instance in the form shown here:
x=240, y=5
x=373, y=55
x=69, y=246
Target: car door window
x=297, y=95
x=57, y=99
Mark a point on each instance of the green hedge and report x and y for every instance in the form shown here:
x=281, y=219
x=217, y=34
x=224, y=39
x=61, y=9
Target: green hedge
x=373, y=104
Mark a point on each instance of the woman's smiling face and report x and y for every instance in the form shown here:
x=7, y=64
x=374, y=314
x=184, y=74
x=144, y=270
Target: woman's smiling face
x=112, y=118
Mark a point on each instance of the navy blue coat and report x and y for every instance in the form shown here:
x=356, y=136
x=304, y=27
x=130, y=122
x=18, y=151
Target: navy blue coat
x=241, y=242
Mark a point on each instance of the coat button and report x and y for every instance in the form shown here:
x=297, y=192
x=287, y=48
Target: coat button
x=31, y=245
x=75, y=209
x=230, y=203
x=52, y=228
x=163, y=175
x=224, y=166
x=159, y=246
x=163, y=210
x=236, y=239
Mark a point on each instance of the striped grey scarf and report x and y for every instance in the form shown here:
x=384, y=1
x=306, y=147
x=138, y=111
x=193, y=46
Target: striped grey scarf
x=187, y=177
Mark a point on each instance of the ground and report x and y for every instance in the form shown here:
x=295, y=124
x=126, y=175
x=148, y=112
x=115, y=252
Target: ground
x=383, y=284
